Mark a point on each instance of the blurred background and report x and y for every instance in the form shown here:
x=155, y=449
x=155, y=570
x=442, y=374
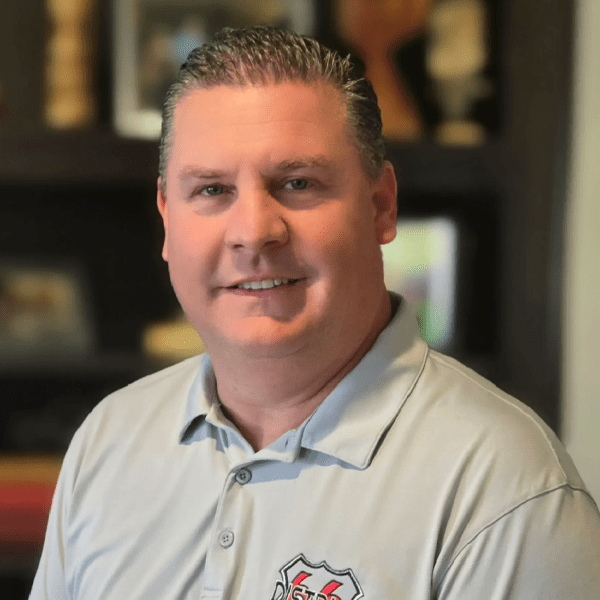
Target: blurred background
x=492, y=120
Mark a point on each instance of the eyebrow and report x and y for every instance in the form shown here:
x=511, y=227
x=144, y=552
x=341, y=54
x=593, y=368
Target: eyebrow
x=302, y=162
x=199, y=173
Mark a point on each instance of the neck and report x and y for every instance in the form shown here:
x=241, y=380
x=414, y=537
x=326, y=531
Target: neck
x=267, y=397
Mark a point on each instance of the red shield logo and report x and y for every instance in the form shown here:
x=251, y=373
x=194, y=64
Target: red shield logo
x=304, y=580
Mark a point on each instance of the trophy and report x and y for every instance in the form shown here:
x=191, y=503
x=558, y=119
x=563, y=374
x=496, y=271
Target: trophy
x=70, y=101
x=456, y=57
x=376, y=30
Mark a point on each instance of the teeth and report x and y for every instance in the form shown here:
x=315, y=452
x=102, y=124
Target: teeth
x=263, y=285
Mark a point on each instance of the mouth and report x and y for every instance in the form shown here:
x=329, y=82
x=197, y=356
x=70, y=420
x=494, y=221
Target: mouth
x=264, y=284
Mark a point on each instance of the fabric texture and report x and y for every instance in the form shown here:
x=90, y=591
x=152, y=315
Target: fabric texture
x=415, y=479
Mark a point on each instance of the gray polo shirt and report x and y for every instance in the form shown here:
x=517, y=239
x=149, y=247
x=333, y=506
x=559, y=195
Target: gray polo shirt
x=415, y=479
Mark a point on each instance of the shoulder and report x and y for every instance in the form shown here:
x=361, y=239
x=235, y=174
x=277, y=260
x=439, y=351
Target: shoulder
x=487, y=459
x=486, y=451
x=148, y=411
x=163, y=391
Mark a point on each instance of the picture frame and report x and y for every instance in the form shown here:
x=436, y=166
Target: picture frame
x=45, y=313
x=421, y=264
x=153, y=37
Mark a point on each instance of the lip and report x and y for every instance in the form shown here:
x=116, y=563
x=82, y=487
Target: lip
x=278, y=289
x=257, y=279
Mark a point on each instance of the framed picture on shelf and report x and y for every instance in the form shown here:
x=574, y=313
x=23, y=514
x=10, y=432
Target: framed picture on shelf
x=154, y=37
x=44, y=312
x=421, y=265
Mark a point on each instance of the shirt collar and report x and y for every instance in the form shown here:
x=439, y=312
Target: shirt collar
x=202, y=397
x=354, y=417
x=357, y=413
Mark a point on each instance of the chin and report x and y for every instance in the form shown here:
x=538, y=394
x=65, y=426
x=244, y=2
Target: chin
x=269, y=346
x=263, y=341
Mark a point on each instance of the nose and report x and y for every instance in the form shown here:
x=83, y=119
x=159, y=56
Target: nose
x=255, y=221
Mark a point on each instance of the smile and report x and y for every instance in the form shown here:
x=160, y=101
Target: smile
x=265, y=284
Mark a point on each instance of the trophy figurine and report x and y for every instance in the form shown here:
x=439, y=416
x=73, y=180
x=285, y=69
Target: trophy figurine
x=69, y=96
x=376, y=30
x=456, y=56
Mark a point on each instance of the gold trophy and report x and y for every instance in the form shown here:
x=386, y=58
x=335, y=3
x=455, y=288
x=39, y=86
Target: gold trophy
x=70, y=101
x=456, y=57
x=376, y=30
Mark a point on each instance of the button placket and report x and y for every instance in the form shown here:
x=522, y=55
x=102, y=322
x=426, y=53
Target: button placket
x=219, y=560
x=232, y=511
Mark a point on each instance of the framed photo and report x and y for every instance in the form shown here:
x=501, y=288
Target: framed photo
x=421, y=265
x=154, y=37
x=44, y=313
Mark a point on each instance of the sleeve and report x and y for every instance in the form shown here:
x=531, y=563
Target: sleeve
x=50, y=582
x=547, y=548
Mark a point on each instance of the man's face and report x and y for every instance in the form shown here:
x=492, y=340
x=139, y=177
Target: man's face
x=265, y=190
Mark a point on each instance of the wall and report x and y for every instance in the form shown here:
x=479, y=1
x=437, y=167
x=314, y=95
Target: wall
x=581, y=314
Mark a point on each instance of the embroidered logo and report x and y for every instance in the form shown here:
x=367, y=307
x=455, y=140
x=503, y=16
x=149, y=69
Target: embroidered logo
x=304, y=580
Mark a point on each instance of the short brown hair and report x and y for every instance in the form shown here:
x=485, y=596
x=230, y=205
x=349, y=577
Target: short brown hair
x=265, y=55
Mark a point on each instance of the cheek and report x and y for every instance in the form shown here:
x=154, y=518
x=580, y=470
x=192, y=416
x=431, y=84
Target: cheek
x=182, y=229
x=344, y=243
x=326, y=238
x=191, y=245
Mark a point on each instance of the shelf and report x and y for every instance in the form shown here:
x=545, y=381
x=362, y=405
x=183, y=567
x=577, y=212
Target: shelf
x=94, y=367
x=102, y=157
x=427, y=168
x=84, y=157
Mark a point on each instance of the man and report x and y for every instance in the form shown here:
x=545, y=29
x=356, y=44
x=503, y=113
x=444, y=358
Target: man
x=320, y=450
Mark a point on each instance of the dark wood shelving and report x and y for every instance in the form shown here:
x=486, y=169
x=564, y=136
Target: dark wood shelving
x=102, y=157
x=93, y=367
x=513, y=186
x=432, y=169
x=508, y=196
x=83, y=157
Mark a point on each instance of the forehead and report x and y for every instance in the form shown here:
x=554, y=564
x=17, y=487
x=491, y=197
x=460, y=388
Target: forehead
x=268, y=122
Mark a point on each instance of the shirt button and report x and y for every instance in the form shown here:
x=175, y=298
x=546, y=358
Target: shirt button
x=243, y=476
x=226, y=538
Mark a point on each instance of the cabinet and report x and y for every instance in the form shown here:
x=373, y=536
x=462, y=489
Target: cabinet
x=90, y=195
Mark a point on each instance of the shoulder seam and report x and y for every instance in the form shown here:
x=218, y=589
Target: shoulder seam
x=440, y=359
x=508, y=512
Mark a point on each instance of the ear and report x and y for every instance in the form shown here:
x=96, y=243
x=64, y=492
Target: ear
x=161, y=202
x=385, y=204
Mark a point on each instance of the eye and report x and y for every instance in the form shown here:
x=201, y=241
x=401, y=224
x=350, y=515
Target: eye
x=297, y=184
x=212, y=190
